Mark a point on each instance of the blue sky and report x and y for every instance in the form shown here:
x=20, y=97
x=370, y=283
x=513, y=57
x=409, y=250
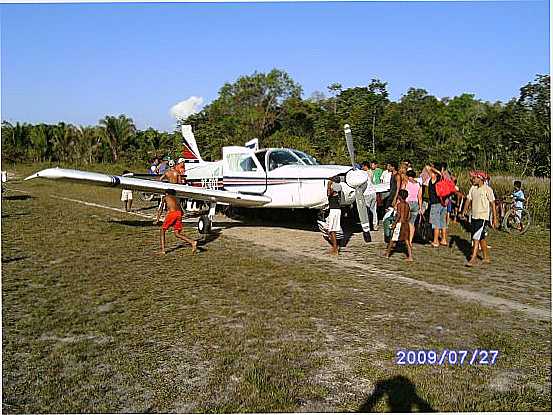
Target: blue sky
x=79, y=62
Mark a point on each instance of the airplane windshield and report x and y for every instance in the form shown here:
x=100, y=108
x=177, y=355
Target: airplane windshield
x=306, y=158
x=279, y=158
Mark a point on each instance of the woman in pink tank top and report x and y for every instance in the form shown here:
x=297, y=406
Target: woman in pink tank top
x=414, y=200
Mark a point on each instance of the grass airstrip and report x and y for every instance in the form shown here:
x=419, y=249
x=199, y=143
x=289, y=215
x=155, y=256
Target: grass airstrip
x=94, y=321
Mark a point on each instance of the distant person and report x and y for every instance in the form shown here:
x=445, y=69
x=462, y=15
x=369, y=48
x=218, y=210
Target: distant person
x=518, y=199
x=153, y=169
x=180, y=170
x=400, y=226
x=126, y=195
x=174, y=219
x=163, y=165
x=438, y=209
x=480, y=200
x=333, y=221
x=171, y=175
x=376, y=172
x=370, y=196
x=414, y=200
x=395, y=182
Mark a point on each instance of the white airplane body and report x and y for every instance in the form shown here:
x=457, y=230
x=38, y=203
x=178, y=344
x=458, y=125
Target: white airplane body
x=245, y=177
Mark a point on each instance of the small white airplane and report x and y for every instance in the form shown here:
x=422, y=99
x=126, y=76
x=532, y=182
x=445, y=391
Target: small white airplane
x=245, y=177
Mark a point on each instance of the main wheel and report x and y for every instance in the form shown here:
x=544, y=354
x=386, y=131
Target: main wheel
x=517, y=221
x=204, y=225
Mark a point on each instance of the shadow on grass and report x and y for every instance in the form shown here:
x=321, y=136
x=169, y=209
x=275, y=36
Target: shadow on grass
x=401, y=393
x=134, y=223
x=16, y=214
x=17, y=197
x=206, y=239
x=462, y=245
x=14, y=259
x=144, y=208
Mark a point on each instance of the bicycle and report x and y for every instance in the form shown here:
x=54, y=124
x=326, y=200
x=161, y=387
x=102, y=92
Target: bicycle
x=514, y=220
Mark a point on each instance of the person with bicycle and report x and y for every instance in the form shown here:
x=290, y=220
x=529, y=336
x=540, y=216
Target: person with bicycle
x=518, y=201
x=480, y=200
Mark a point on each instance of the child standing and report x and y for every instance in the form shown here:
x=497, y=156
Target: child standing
x=518, y=199
x=401, y=226
x=126, y=195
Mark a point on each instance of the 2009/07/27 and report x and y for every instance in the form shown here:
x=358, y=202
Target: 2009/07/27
x=446, y=356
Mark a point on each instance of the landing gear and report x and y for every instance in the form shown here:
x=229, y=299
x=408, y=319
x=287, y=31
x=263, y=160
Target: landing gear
x=204, y=225
x=205, y=221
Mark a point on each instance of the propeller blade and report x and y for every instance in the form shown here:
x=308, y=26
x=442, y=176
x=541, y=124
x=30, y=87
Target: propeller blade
x=363, y=212
x=349, y=144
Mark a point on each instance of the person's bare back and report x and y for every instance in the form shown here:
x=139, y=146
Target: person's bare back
x=172, y=176
x=172, y=203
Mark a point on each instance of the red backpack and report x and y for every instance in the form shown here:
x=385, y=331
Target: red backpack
x=445, y=187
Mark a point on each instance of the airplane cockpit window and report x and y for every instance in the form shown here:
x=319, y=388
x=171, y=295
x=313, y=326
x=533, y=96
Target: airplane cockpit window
x=279, y=158
x=241, y=162
x=306, y=158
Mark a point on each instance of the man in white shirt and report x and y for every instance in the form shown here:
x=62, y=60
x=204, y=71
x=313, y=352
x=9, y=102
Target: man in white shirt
x=480, y=200
x=370, y=197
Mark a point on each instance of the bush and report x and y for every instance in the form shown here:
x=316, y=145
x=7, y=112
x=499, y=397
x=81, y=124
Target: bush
x=536, y=189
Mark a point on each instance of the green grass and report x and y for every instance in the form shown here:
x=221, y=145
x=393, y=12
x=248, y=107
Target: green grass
x=94, y=321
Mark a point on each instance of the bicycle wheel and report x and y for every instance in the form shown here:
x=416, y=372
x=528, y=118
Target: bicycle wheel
x=517, y=221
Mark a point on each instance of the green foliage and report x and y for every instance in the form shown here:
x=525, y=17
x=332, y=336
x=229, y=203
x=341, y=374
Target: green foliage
x=512, y=137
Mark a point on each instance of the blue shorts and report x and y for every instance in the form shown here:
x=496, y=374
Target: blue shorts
x=414, y=212
x=437, y=216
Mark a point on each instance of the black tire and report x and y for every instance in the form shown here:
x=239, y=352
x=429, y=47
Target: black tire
x=517, y=221
x=204, y=225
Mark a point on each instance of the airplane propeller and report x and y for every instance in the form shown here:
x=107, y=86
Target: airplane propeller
x=357, y=179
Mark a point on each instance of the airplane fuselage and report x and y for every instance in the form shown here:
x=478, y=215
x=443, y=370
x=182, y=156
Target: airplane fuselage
x=293, y=183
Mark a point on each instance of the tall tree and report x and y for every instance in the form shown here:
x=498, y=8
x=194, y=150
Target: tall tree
x=118, y=131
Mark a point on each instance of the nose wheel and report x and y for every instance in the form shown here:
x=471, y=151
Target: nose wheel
x=204, y=225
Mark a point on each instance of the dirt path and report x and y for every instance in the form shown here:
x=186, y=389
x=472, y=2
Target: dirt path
x=307, y=244
x=298, y=243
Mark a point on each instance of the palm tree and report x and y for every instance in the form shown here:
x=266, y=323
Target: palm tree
x=64, y=139
x=118, y=131
x=89, y=140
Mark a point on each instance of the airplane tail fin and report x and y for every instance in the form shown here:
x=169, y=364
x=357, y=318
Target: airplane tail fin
x=190, y=151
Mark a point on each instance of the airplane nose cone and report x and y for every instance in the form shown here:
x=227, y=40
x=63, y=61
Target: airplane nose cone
x=355, y=178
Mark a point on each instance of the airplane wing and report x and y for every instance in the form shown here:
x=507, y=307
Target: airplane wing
x=152, y=186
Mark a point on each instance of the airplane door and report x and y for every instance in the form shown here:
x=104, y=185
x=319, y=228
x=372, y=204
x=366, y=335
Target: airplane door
x=242, y=172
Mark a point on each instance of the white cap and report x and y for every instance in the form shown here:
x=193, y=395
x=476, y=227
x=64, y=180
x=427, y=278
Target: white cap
x=180, y=160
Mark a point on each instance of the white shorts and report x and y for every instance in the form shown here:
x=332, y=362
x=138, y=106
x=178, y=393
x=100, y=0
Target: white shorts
x=333, y=220
x=126, y=195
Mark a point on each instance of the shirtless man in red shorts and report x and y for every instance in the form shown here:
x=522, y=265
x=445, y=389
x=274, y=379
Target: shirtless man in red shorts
x=174, y=219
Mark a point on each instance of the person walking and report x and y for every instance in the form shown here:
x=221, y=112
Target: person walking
x=174, y=219
x=481, y=201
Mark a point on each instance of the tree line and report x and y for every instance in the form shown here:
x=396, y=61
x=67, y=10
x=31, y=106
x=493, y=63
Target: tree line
x=463, y=130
